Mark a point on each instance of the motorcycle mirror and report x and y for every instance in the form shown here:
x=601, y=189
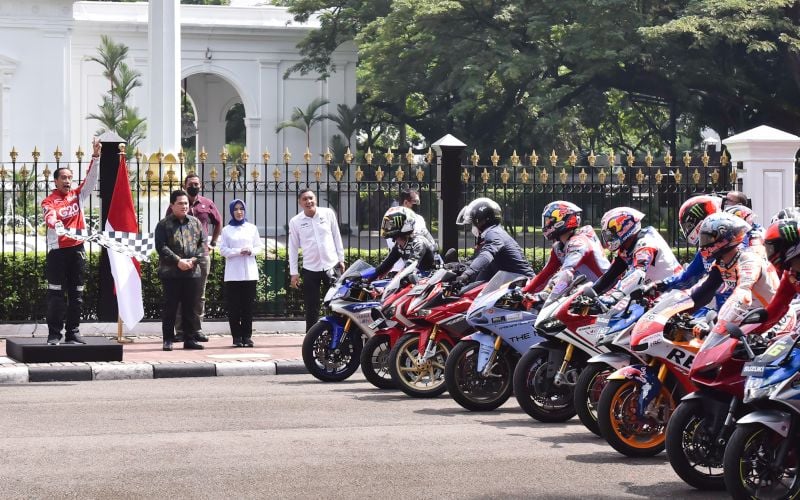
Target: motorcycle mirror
x=756, y=316
x=451, y=256
x=734, y=331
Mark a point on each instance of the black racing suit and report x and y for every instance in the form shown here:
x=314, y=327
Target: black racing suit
x=498, y=252
x=417, y=248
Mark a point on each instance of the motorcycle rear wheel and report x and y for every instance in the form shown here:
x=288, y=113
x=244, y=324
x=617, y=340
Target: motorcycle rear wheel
x=588, y=388
x=623, y=429
x=471, y=389
x=535, y=392
x=748, y=456
x=418, y=380
x=327, y=365
x=692, y=450
x=375, y=362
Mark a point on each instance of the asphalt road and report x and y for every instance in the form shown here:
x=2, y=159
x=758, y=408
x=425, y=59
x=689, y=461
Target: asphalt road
x=293, y=437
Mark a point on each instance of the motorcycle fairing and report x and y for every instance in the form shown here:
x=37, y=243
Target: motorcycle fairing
x=485, y=349
x=616, y=360
x=359, y=312
x=778, y=421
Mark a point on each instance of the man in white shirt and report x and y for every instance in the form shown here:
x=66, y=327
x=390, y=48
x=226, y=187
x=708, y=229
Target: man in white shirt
x=315, y=231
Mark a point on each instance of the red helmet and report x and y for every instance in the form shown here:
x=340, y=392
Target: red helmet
x=742, y=212
x=782, y=242
x=560, y=217
x=720, y=232
x=693, y=212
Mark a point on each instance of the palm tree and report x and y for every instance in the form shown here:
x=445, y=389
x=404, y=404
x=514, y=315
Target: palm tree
x=111, y=55
x=347, y=120
x=305, y=119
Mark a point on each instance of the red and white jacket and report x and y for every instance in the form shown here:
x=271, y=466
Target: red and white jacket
x=69, y=209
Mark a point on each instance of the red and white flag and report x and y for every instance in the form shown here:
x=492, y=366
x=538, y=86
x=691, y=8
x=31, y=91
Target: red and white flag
x=126, y=271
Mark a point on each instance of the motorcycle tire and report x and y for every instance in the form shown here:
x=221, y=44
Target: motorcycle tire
x=471, y=389
x=749, y=455
x=588, y=388
x=616, y=416
x=535, y=392
x=692, y=451
x=375, y=362
x=327, y=365
x=418, y=381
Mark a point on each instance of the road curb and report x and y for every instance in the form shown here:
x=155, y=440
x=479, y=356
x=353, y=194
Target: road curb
x=290, y=367
x=70, y=373
x=102, y=371
x=246, y=368
x=12, y=374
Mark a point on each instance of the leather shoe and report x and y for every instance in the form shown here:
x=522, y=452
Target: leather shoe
x=54, y=339
x=237, y=342
x=192, y=345
x=74, y=338
x=200, y=337
x=167, y=345
x=178, y=337
x=247, y=343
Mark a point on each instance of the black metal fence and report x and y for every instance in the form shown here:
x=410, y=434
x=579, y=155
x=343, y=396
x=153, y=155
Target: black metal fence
x=360, y=192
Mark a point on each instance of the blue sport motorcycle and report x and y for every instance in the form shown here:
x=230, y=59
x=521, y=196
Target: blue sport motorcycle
x=332, y=347
x=480, y=369
x=762, y=458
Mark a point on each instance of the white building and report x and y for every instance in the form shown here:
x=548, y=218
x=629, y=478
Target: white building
x=227, y=54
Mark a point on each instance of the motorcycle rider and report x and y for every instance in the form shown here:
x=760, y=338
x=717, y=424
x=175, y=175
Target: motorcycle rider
x=399, y=224
x=754, y=239
x=782, y=242
x=575, y=249
x=786, y=213
x=498, y=251
x=642, y=255
x=745, y=275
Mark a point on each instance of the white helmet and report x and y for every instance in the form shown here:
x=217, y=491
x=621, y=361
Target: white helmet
x=398, y=221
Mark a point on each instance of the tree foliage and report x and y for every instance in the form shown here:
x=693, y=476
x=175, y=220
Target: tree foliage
x=567, y=74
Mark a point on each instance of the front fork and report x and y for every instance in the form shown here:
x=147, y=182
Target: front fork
x=498, y=342
x=335, y=341
x=650, y=387
x=430, y=348
x=561, y=374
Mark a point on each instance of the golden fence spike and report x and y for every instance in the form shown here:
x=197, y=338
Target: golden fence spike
x=223, y=155
x=495, y=158
x=359, y=174
x=79, y=153
x=244, y=156
x=667, y=159
x=705, y=158
x=389, y=156
x=485, y=176
x=287, y=156
x=337, y=174
x=255, y=174
x=297, y=173
x=202, y=156
x=368, y=156
x=572, y=159
x=213, y=175
x=13, y=154
x=534, y=158
x=659, y=176
x=35, y=154
x=348, y=156
x=648, y=160
x=328, y=156
x=677, y=175
x=137, y=154
x=562, y=176
x=181, y=155
x=724, y=158
x=379, y=173
x=630, y=158
x=318, y=173
x=524, y=176
x=553, y=158
x=429, y=156
x=592, y=159
x=474, y=158
x=696, y=176
x=687, y=159
x=514, y=159
x=307, y=156
x=276, y=174
x=582, y=176
x=420, y=174
x=465, y=176
x=233, y=174
x=620, y=176
x=160, y=155
x=399, y=173
x=611, y=158
x=639, y=176
x=543, y=176
x=410, y=156
x=57, y=154
x=601, y=175
x=715, y=176
x=266, y=156
x=504, y=175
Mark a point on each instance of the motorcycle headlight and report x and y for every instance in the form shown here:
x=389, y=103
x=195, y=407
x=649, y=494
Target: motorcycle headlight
x=754, y=389
x=552, y=325
x=388, y=313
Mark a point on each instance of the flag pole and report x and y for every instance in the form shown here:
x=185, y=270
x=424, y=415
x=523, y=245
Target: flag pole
x=120, y=338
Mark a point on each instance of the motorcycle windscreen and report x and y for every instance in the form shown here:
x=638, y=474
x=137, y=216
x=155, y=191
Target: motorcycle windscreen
x=394, y=285
x=653, y=321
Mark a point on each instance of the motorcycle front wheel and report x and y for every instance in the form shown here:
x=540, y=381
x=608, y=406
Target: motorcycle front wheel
x=588, y=388
x=628, y=433
x=417, y=378
x=535, y=389
x=375, y=362
x=471, y=389
x=692, y=449
x=750, y=471
x=326, y=364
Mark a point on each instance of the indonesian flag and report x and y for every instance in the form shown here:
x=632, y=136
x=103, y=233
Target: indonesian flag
x=126, y=271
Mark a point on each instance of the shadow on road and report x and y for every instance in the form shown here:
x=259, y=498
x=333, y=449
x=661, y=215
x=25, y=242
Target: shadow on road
x=612, y=456
x=672, y=489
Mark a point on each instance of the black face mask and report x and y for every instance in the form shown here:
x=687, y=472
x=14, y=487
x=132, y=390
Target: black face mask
x=193, y=190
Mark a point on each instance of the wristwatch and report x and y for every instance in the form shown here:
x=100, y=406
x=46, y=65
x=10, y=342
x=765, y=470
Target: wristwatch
x=212, y=244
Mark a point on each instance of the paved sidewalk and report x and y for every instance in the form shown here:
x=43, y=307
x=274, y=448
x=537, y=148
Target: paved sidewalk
x=277, y=351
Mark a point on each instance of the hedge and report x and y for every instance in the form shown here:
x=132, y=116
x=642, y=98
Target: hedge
x=23, y=287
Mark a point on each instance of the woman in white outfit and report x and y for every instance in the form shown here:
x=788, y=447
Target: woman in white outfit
x=240, y=244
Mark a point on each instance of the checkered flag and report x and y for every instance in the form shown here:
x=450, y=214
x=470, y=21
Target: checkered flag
x=136, y=245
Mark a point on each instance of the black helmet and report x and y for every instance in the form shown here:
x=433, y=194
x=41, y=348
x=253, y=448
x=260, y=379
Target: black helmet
x=484, y=213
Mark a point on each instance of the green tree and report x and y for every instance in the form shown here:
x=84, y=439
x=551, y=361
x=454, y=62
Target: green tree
x=304, y=119
x=115, y=114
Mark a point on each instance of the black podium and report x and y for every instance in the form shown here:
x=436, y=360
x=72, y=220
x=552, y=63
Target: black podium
x=36, y=350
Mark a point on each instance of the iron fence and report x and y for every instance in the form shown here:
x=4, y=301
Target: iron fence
x=360, y=192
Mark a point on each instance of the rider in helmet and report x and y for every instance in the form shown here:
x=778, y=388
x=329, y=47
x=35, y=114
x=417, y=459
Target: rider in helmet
x=782, y=242
x=754, y=239
x=642, y=254
x=399, y=225
x=498, y=251
x=747, y=275
x=575, y=249
x=786, y=213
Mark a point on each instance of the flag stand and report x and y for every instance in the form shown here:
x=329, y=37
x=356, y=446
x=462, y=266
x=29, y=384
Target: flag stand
x=120, y=338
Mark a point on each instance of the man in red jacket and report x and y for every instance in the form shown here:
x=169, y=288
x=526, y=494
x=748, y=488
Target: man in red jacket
x=66, y=258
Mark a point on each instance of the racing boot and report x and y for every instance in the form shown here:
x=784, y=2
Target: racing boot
x=74, y=337
x=53, y=338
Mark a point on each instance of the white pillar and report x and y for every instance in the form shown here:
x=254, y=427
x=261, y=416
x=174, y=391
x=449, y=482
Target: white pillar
x=7, y=68
x=164, y=37
x=768, y=158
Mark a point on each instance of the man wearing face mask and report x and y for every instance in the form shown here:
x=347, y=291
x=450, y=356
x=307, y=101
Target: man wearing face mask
x=498, y=250
x=206, y=212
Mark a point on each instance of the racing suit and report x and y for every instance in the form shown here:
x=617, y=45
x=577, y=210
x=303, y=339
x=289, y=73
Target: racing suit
x=582, y=254
x=65, y=265
x=777, y=308
x=648, y=259
x=498, y=252
x=747, y=276
x=418, y=248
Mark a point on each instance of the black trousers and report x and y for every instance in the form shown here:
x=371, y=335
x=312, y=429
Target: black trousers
x=181, y=291
x=313, y=284
x=239, y=299
x=65, y=270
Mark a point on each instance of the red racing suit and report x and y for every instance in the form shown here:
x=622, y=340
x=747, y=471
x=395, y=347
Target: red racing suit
x=581, y=254
x=749, y=276
x=777, y=308
x=69, y=209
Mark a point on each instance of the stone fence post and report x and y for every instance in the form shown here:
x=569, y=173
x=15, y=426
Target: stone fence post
x=448, y=162
x=767, y=156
